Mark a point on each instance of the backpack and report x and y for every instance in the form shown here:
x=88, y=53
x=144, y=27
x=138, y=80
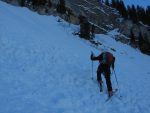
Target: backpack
x=107, y=58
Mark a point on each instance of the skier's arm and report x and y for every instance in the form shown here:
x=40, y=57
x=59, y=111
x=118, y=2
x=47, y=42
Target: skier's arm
x=95, y=57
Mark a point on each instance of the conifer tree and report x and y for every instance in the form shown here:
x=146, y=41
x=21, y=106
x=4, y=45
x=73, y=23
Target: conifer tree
x=38, y=2
x=123, y=10
x=49, y=3
x=113, y=4
x=117, y=4
x=129, y=12
x=132, y=37
x=134, y=14
x=145, y=47
x=84, y=27
x=22, y=3
x=61, y=8
x=141, y=14
x=147, y=19
x=107, y=2
x=140, y=40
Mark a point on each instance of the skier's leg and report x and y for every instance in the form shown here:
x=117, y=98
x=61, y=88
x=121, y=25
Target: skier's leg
x=108, y=83
x=99, y=78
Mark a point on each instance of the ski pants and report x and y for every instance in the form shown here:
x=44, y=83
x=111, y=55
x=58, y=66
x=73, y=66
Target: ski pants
x=104, y=69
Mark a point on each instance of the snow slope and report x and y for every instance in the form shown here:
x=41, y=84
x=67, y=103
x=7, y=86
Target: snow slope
x=45, y=69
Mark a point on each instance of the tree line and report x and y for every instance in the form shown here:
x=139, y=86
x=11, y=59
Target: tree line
x=133, y=13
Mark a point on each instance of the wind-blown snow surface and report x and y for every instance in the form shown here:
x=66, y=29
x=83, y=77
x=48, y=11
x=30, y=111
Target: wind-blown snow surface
x=45, y=69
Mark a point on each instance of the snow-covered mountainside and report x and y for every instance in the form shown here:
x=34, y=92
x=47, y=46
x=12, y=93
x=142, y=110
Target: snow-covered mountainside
x=45, y=69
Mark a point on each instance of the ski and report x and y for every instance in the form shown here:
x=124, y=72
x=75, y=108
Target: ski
x=109, y=98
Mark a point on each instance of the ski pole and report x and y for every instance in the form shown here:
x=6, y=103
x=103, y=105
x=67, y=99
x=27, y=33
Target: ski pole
x=92, y=65
x=92, y=70
x=116, y=79
x=117, y=82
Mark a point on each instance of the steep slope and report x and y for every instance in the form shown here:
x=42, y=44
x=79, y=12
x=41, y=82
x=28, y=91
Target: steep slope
x=44, y=69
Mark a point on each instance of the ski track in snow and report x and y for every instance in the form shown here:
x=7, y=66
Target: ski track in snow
x=44, y=69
